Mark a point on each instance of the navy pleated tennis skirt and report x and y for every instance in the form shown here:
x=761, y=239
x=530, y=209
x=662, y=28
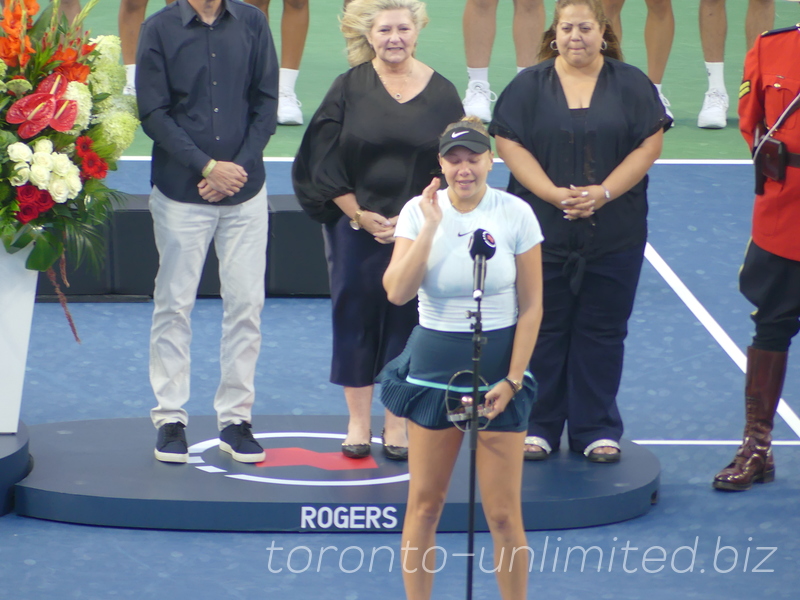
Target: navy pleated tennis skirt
x=415, y=384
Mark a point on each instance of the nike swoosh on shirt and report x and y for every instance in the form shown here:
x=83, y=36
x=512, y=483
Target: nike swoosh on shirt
x=463, y=234
x=459, y=133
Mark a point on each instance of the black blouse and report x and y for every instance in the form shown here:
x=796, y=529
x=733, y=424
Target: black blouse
x=624, y=111
x=362, y=140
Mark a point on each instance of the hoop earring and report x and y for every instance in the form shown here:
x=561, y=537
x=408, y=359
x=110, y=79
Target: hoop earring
x=553, y=45
x=604, y=46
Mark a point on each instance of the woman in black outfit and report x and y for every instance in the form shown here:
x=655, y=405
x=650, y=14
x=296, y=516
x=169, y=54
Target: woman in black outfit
x=579, y=132
x=371, y=146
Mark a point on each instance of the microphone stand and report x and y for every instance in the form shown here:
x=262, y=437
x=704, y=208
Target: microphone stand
x=477, y=343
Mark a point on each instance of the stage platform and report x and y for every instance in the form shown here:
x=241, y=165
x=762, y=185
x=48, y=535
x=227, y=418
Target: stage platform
x=103, y=472
x=15, y=464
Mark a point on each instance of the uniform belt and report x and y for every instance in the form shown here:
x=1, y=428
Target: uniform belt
x=793, y=159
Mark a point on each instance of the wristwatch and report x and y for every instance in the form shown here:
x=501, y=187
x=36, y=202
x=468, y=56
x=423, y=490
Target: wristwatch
x=355, y=222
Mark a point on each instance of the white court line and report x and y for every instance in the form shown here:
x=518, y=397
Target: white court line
x=266, y=158
x=702, y=315
x=703, y=161
x=708, y=442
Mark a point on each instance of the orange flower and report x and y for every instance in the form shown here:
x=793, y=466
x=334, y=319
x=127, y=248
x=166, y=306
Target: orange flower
x=75, y=72
x=12, y=20
x=31, y=7
x=26, y=55
x=65, y=55
x=9, y=51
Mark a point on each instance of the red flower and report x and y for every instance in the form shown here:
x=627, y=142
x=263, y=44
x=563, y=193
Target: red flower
x=93, y=167
x=44, y=107
x=83, y=145
x=26, y=213
x=34, y=112
x=54, y=84
x=65, y=115
x=44, y=201
x=28, y=194
x=32, y=202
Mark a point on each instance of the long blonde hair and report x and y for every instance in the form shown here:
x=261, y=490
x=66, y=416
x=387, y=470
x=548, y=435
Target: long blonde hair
x=613, y=49
x=359, y=17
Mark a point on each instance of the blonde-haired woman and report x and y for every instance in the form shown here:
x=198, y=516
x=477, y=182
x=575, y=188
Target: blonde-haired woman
x=371, y=146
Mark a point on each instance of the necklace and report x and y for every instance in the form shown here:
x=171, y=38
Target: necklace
x=397, y=95
x=463, y=211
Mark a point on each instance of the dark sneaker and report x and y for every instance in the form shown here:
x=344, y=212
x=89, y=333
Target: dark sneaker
x=238, y=441
x=171, y=444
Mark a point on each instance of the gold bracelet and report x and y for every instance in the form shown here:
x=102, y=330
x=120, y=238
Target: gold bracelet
x=209, y=167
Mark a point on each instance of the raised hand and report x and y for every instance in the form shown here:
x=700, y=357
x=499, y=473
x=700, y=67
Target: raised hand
x=429, y=203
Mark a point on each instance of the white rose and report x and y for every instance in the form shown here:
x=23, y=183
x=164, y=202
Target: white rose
x=19, y=152
x=61, y=164
x=43, y=160
x=43, y=145
x=40, y=176
x=59, y=189
x=22, y=174
x=74, y=185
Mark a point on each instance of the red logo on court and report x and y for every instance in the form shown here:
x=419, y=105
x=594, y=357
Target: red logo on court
x=301, y=457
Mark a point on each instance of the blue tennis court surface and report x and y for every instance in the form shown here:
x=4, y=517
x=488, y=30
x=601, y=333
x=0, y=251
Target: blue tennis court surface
x=681, y=397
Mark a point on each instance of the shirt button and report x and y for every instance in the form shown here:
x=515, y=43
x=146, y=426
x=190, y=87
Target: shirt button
x=213, y=83
x=211, y=28
x=216, y=110
x=213, y=55
x=217, y=138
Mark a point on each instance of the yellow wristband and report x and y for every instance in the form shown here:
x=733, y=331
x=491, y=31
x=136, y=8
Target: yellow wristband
x=209, y=167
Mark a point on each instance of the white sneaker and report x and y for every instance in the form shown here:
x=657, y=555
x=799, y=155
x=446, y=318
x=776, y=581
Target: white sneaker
x=714, y=114
x=129, y=90
x=289, y=112
x=666, y=104
x=478, y=99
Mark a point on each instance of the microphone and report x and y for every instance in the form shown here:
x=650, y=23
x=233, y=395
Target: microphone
x=481, y=248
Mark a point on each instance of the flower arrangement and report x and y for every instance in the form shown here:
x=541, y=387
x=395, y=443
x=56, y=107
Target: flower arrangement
x=63, y=124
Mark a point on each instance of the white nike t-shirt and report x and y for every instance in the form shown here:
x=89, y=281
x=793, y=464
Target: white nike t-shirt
x=446, y=291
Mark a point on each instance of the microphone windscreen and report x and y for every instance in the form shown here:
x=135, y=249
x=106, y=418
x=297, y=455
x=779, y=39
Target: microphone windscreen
x=482, y=244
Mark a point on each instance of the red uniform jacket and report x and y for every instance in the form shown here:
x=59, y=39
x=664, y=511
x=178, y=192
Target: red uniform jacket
x=771, y=81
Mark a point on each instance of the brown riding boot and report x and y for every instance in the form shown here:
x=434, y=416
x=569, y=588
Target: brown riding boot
x=753, y=462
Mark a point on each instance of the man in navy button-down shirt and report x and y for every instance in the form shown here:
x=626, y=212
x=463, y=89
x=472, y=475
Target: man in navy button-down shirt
x=207, y=89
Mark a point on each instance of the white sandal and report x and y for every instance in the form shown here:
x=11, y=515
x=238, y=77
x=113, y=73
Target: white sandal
x=603, y=458
x=533, y=440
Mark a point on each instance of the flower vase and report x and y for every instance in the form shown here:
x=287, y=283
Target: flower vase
x=17, y=295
